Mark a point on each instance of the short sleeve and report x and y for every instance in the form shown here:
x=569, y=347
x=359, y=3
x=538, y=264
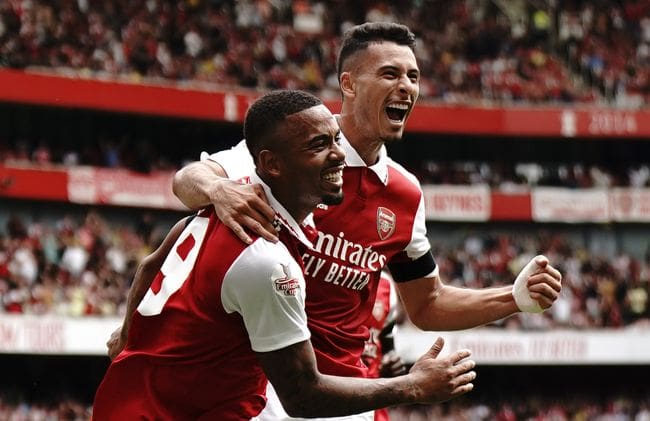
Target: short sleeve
x=419, y=243
x=266, y=287
x=236, y=161
x=416, y=260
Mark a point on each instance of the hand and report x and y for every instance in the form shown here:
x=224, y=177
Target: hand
x=115, y=343
x=537, y=286
x=440, y=379
x=391, y=365
x=241, y=206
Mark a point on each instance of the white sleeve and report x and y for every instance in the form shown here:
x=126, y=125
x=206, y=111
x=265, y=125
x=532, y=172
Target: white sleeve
x=266, y=287
x=236, y=161
x=419, y=244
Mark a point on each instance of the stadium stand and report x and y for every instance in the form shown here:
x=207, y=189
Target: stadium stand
x=512, y=51
x=82, y=266
x=531, y=135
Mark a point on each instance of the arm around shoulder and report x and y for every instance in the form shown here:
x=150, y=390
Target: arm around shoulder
x=193, y=184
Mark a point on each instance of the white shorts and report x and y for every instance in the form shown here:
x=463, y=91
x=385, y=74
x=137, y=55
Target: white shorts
x=273, y=411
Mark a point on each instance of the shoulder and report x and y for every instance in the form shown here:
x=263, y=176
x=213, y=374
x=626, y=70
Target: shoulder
x=262, y=273
x=400, y=178
x=261, y=258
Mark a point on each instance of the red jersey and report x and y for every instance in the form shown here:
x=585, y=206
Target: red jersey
x=191, y=348
x=380, y=223
x=372, y=352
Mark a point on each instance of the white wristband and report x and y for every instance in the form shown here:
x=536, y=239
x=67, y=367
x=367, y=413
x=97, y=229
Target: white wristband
x=520, y=289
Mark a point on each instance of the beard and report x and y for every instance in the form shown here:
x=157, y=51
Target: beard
x=332, y=199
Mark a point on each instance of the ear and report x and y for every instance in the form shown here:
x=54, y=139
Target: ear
x=346, y=84
x=268, y=163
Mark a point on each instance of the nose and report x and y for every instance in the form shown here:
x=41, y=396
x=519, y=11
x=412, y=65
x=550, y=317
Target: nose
x=407, y=86
x=336, y=152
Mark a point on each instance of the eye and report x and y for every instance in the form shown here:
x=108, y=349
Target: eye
x=319, y=144
x=390, y=74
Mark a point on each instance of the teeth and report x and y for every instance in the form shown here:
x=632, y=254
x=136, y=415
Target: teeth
x=403, y=107
x=333, y=176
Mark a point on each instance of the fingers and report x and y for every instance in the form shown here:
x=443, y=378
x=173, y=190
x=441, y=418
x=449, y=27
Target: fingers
x=263, y=206
x=541, y=261
x=444, y=378
x=544, y=289
x=392, y=365
x=460, y=355
x=543, y=282
x=114, y=348
x=239, y=231
x=435, y=349
x=243, y=207
x=461, y=390
x=242, y=221
x=547, y=268
x=465, y=375
x=242, y=217
x=464, y=366
x=549, y=289
x=398, y=369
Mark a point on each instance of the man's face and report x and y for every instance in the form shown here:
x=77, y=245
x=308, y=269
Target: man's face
x=385, y=81
x=314, y=162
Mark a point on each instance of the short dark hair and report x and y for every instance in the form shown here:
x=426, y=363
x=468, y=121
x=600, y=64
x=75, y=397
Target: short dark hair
x=267, y=112
x=361, y=36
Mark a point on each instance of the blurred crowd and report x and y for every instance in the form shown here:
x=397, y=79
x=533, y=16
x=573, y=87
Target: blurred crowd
x=472, y=50
x=64, y=410
x=72, y=267
x=511, y=176
x=598, y=290
x=622, y=408
x=84, y=267
x=503, y=174
x=531, y=407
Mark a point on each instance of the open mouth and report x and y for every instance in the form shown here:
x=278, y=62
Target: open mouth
x=397, y=112
x=335, y=176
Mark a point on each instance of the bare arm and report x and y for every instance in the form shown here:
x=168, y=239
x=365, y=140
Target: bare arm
x=144, y=275
x=193, y=184
x=432, y=305
x=237, y=205
x=304, y=392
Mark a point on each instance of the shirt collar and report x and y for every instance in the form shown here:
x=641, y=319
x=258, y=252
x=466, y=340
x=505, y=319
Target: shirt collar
x=352, y=159
x=283, y=216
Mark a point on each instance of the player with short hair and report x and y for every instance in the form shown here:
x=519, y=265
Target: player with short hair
x=222, y=314
x=381, y=221
x=379, y=224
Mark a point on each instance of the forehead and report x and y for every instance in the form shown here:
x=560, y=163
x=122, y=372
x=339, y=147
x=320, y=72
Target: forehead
x=312, y=121
x=386, y=54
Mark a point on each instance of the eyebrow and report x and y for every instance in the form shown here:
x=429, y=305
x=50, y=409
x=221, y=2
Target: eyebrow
x=397, y=68
x=323, y=136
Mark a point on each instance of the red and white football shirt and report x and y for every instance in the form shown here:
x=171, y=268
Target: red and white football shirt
x=380, y=223
x=190, y=351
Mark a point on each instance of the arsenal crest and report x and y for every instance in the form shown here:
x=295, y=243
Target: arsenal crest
x=385, y=222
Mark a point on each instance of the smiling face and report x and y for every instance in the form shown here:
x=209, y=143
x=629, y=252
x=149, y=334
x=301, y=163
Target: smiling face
x=310, y=160
x=380, y=86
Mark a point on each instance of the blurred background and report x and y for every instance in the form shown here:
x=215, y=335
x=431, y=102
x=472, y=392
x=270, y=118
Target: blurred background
x=531, y=135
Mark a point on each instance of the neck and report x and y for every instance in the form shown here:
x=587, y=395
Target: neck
x=289, y=200
x=367, y=148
